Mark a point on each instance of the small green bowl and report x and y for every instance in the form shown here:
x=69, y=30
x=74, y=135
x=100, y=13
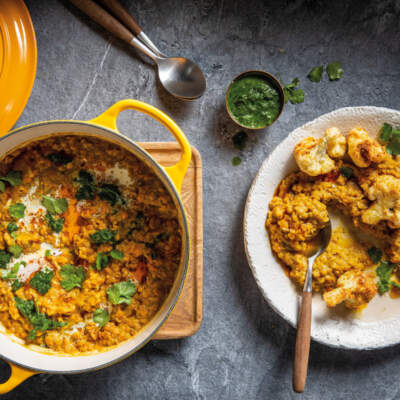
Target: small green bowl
x=271, y=80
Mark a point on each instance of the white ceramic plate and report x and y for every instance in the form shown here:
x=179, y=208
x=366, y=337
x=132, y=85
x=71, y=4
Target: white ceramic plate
x=376, y=326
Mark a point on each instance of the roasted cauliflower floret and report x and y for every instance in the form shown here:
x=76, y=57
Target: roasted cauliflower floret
x=364, y=150
x=386, y=193
x=312, y=156
x=354, y=288
x=336, y=145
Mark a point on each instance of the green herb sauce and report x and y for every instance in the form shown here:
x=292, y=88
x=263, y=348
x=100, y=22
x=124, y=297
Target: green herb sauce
x=254, y=102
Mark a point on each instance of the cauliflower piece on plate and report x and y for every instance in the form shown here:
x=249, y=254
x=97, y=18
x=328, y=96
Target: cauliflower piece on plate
x=354, y=288
x=312, y=156
x=364, y=150
x=386, y=193
x=336, y=144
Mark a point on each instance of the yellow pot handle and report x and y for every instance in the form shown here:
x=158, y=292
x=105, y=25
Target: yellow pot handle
x=18, y=375
x=109, y=119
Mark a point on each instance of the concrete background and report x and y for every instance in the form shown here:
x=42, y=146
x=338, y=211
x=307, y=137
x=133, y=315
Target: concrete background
x=243, y=350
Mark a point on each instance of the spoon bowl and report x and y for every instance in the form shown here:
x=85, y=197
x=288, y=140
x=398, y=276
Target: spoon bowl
x=181, y=77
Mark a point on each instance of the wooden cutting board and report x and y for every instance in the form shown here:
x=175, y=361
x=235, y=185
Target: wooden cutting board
x=186, y=317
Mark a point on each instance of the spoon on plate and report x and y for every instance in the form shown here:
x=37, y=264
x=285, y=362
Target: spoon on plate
x=302, y=349
x=180, y=76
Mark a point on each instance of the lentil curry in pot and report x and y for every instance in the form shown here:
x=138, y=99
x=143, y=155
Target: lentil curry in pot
x=90, y=244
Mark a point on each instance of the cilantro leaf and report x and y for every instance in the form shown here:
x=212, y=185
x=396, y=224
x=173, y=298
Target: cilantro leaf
x=47, y=253
x=60, y=158
x=101, y=317
x=385, y=132
x=16, y=285
x=39, y=321
x=85, y=178
x=375, y=254
x=236, y=161
x=17, y=210
x=334, y=71
x=14, y=178
x=12, y=227
x=87, y=184
x=393, y=147
x=117, y=254
x=384, y=271
x=292, y=94
x=102, y=261
x=315, y=75
x=41, y=281
x=121, y=292
x=110, y=193
x=240, y=140
x=55, y=206
x=15, y=250
x=55, y=224
x=2, y=187
x=12, y=273
x=71, y=276
x=4, y=258
x=347, y=172
x=103, y=236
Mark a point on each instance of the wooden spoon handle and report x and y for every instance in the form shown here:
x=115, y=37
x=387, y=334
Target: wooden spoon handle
x=302, y=349
x=120, y=12
x=103, y=18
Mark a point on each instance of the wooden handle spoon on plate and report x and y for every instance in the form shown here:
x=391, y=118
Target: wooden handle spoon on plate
x=302, y=349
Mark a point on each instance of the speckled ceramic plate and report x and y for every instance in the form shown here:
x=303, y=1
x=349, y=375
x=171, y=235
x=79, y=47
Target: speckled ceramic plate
x=376, y=326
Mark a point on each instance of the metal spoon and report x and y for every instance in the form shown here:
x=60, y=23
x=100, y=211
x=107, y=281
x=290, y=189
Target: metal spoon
x=179, y=76
x=302, y=349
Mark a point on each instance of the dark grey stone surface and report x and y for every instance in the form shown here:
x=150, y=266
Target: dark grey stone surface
x=243, y=350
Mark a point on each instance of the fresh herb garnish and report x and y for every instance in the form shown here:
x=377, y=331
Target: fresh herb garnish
x=102, y=261
x=41, y=281
x=240, y=140
x=87, y=184
x=4, y=259
x=315, y=75
x=60, y=158
x=347, y=172
x=334, y=71
x=15, y=250
x=384, y=272
x=121, y=292
x=391, y=137
x=110, y=193
x=12, y=227
x=16, y=285
x=14, y=178
x=17, y=211
x=39, y=321
x=293, y=94
x=101, y=317
x=55, y=224
x=117, y=254
x=47, y=253
x=375, y=254
x=103, y=236
x=236, y=161
x=12, y=273
x=55, y=206
x=71, y=276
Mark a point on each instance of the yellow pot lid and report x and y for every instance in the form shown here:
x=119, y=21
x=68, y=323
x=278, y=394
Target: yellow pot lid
x=18, y=56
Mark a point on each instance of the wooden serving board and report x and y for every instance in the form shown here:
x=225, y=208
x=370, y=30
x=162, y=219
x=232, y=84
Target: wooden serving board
x=186, y=317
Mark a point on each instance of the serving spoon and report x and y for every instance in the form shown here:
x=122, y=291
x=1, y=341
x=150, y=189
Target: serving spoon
x=180, y=76
x=302, y=349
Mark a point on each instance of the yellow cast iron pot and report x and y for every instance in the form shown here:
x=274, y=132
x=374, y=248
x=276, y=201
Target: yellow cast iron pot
x=26, y=362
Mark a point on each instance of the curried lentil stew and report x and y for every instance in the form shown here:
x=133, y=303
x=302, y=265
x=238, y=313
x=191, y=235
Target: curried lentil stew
x=90, y=244
x=360, y=177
